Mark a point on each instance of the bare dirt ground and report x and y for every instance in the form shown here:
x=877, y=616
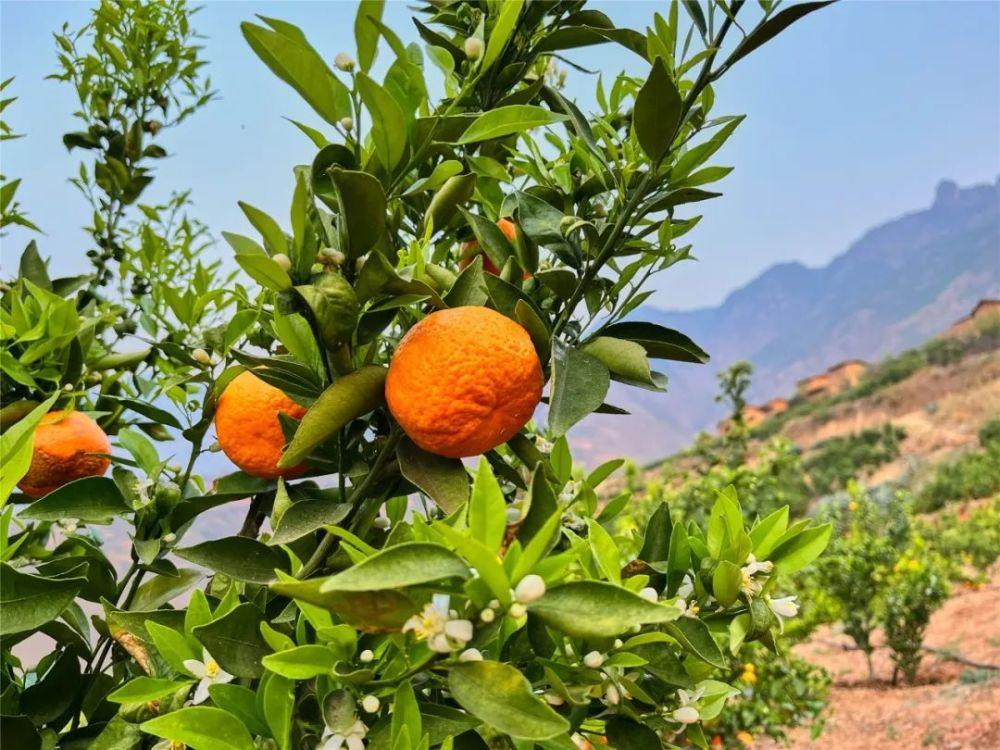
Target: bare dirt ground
x=952, y=707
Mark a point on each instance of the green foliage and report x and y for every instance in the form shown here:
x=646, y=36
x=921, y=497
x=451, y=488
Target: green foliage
x=968, y=539
x=916, y=588
x=838, y=460
x=386, y=595
x=975, y=473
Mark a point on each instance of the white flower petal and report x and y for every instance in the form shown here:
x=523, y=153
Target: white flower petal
x=196, y=668
x=686, y=715
x=439, y=643
x=201, y=692
x=222, y=676
x=460, y=630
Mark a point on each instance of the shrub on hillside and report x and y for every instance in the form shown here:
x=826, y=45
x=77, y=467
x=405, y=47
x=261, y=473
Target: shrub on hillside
x=854, y=456
x=973, y=474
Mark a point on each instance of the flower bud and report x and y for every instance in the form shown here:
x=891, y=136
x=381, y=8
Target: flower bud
x=344, y=62
x=347, y=123
x=517, y=610
x=593, y=660
x=686, y=715
x=201, y=357
x=473, y=48
x=513, y=515
x=169, y=538
x=649, y=594
x=487, y=615
x=366, y=656
x=529, y=589
x=284, y=261
x=471, y=654
x=553, y=700
x=382, y=523
x=612, y=696
x=370, y=704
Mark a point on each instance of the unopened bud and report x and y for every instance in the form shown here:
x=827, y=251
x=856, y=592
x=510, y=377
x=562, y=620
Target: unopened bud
x=366, y=656
x=382, y=523
x=344, y=62
x=169, y=538
x=201, y=357
x=370, y=704
x=347, y=123
x=471, y=654
x=593, y=660
x=284, y=261
x=513, y=515
x=473, y=48
x=215, y=447
x=529, y=589
x=649, y=594
x=487, y=615
x=517, y=610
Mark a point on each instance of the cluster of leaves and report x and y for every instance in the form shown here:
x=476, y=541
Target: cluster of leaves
x=975, y=473
x=968, y=539
x=387, y=596
x=11, y=213
x=838, y=460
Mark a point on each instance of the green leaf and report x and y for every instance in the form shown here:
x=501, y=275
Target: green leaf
x=362, y=210
x=172, y=646
x=502, y=29
x=348, y=398
x=500, y=695
x=626, y=733
x=772, y=27
x=626, y=360
x=94, y=500
x=296, y=63
x=16, y=446
x=265, y=271
x=388, y=124
x=241, y=702
x=797, y=552
x=407, y=564
x=305, y=517
x=594, y=609
x=695, y=637
x=481, y=557
x=234, y=640
x=334, y=306
x=659, y=342
x=502, y=121
x=201, y=728
x=277, y=700
x=657, y=112
x=31, y=266
x=656, y=539
x=274, y=236
x=605, y=551
x=726, y=583
x=444, y=480
x=159, y=590
x=370, y=611
x=239, y=557
x=579, y=384
x=487, y=508
x=444, y=205
x=302, y=662
x=30, y=601
x=366, y=32
x=768, y=531
x=143, y=689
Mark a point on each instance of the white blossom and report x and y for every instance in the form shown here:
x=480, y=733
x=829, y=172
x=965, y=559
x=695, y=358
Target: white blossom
x=169, y=745
x=650, y=594
x=786, y=606
x=438, y=627
x=686, y=588
x=471, y=654
x=351, y=739
x=344, y=62
x=208, y=673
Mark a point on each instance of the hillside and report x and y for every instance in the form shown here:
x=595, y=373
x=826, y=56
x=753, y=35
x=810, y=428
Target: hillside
x=897, y=285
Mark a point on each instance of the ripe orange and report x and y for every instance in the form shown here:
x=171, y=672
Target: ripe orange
x=463, y=381
x=68, y=446
x=470, y=250
x=248, y=429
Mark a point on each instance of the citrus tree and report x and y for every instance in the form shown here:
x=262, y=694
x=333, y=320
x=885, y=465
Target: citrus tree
x=447, y=262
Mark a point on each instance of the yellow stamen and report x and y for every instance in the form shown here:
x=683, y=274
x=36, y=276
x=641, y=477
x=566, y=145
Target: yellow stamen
x=211, y=668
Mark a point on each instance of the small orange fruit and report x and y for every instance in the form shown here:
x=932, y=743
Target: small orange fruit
x=470, y=250
x=463, y=381
x=248, y=428
x=68, y=446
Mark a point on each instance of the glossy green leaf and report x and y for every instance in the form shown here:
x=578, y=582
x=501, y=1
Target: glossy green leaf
x=487, y=508
x=388, y=124
x=595, y=609
x=143, y=689
x=348, y=398
x=443, y=480
x=605, y=551
x=265, y=271
x=657, y=112
x=366, y=33
x=239, y=557
x=626, y=360
x=772, y=27
x=694, y=636
x=29, y=601
x=726, y=583
x=502, y=121
x=659, y=342
x=500, y=695
x=234, y=640
x=797, y=552
x=362, y=210
x=201, y=728
x=306, y=516
x=402, y=565
x=579, y=384
x=94, y=500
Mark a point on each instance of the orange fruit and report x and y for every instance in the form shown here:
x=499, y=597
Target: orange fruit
x=248, y=428
x=68, y=446
x=470, y=250
x=463, y=381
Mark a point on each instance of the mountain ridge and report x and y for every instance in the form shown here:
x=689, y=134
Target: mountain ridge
x=899, y=283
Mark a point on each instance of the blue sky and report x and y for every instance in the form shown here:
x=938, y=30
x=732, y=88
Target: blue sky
x=854, y=115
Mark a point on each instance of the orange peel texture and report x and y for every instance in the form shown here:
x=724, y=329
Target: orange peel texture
x=463, y=381
x=68, y=446
x=248, y=428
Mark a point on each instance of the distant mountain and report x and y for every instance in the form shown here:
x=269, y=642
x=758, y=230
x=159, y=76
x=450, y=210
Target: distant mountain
x=901, y=283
